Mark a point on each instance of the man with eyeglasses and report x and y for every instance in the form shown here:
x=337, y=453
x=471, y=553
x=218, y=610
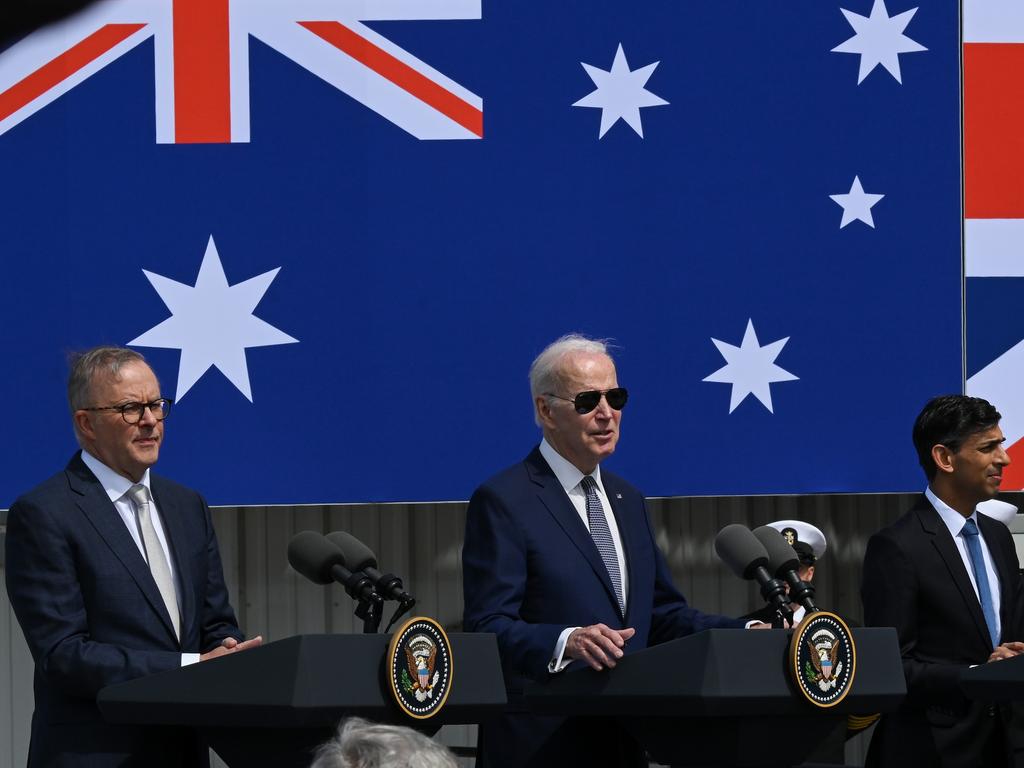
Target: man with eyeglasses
x=114, y=573
x=561, y=564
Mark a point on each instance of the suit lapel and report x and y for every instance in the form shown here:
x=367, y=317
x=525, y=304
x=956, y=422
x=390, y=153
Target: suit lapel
x=99, y=510
x=173, y=518
x=556, y=501
x=943, y=542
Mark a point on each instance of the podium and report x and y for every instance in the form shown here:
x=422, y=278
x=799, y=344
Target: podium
x=996, y=682
x=274, y=704
x=724, y=697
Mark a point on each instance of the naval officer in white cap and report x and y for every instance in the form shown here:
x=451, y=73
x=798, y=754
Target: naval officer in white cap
x=809, y=543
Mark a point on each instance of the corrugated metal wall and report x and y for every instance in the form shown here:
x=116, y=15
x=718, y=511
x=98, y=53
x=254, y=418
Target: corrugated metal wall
x=422, y=543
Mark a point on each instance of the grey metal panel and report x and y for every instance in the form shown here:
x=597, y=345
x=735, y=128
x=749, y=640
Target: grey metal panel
x=7, y=627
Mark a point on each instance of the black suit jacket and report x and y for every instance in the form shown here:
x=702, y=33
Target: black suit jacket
x=531, y=569
x=915, y=580
x=92, y=614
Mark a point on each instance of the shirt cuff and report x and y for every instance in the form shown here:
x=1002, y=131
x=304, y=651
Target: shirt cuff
x=189, y=658
x=557, y=663
x=752, y=622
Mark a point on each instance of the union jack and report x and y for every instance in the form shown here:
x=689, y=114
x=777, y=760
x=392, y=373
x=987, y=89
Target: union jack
x=201, y=65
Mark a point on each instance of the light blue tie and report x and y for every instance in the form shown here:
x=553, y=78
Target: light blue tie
x=602, y=536
x=971, y=536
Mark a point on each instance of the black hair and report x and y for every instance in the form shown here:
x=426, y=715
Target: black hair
x=949, y=420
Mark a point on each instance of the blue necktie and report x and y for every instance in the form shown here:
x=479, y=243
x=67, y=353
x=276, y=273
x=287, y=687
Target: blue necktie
x=971, y=536
x=602, y=536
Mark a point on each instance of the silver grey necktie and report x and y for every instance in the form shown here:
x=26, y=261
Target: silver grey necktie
x=158, y=565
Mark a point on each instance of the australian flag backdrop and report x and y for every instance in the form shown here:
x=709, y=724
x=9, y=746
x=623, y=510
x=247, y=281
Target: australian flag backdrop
x=340, y=230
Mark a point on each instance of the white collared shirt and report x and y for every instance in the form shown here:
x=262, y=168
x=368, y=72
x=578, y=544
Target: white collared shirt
x=116, y=486
x=570, y=478
x=954, y=521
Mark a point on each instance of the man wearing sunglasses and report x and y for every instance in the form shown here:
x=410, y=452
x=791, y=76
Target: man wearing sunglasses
x=560, y=563
x=114, y=573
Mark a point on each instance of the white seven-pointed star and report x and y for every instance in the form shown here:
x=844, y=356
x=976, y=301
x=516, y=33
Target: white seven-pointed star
x=750, y=368
x=857, y=204
x=879, y=39
x=620, y=93
x=212, y=323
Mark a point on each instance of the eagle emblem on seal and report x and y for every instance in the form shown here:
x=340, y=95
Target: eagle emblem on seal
x=420, y=658
x=824, y=650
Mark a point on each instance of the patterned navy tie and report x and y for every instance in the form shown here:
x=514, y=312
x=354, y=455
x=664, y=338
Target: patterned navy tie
x=971, y=536
x=602, y=536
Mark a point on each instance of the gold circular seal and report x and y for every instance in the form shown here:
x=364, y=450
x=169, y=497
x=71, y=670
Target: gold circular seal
x=822, y=658
x=419, y=667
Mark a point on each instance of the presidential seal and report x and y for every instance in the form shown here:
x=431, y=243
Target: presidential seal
x=419, y=667
x=823, y=658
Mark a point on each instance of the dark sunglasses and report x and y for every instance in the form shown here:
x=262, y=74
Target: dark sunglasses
x=587, y=401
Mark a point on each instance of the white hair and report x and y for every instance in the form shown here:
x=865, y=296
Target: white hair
x=546, y=370
x=362, y=744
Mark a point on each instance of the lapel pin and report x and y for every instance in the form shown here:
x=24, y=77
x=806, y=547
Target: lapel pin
x=618, y=495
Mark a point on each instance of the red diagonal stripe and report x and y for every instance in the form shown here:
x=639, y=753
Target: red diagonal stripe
x=994, y=130
x=202, y=72
x=64, y=66
x=399, y=73
x=1013, y=475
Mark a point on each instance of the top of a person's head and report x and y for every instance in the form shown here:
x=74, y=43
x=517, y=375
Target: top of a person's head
x=950, y=420
x=92, y=365
x=362, y=744
x=546, y=369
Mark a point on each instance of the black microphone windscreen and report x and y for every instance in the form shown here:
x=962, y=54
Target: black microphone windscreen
x=781, y=556
x=739, y=549
x=312, y=555
x=358, y=556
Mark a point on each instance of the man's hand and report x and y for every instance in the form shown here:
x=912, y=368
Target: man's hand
x=1007, y=651
x=230, y=645
x=599, y=645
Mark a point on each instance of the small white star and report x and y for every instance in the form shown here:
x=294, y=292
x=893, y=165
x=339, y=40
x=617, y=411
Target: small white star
x=212, y=323
x=879, y=39
x=620, y=93
x=750, y=368
x=857, y=204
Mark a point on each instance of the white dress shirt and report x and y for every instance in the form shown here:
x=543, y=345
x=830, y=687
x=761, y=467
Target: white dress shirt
x=955, y=523
x=570, y=478
x=116, y=486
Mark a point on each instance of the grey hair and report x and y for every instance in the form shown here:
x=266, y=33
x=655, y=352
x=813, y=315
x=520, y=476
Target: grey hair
x=545, y=371
x=362, y=744
x=89, y=365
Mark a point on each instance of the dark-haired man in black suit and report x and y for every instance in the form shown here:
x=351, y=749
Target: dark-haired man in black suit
x=947, y=579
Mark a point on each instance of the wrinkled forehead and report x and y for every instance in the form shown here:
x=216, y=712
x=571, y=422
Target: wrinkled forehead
x=134, y=378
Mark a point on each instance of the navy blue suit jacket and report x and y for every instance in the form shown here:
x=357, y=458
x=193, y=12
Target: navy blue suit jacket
x=915, y=580
x=531, y=569
x=92, y=614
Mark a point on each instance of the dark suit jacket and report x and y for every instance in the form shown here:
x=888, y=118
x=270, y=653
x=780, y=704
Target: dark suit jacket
x=915, y=580
x=92, y=614
x=531, y=569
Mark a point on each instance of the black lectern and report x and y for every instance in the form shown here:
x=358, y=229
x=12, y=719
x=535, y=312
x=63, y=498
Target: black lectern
x=274, y=704
x=724, y=697
x=999, y=681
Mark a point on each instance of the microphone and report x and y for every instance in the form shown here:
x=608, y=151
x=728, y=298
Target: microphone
x=739, y=549
x=785, y=565
x=321, y=561
x=361, y=558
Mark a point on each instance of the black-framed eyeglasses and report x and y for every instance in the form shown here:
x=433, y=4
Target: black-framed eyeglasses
x=132, y=412
x=587, y=401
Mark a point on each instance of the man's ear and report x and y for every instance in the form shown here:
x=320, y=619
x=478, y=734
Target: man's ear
x=83, y=425
x=543, y=406
x=943, y=458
